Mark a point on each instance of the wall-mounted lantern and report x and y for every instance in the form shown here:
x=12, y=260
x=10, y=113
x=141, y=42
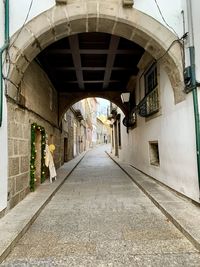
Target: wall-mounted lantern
x=130, y=119
x=125, y=97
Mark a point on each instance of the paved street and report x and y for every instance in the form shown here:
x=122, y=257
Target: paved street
x=99, y=217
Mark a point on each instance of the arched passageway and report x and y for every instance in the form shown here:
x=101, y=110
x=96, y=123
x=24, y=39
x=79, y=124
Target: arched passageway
x=79, y=50
x=93, y=16
x=91, y=64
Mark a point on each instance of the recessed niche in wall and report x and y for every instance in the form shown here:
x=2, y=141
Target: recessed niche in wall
x=154, y=153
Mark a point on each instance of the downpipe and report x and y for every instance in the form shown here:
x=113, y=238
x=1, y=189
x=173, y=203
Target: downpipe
x=194, y=84
x=2, y=49
x=196, y=107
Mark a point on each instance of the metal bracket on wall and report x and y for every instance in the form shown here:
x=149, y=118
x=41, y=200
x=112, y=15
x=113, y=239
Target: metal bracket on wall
x=61, y=2
x=128, y=3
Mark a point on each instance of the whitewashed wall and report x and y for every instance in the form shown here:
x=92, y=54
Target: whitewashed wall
x=1, y=23
x=171, y=11
x=3, y=159
x=174, y=130
x=196, y=25
x=3, y=133
x=196, y=30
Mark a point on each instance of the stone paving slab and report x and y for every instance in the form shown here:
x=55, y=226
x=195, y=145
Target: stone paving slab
x=184, y=214
x=90, y=221
x=17, y=221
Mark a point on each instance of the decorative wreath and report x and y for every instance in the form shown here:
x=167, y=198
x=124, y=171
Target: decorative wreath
x=34, y=129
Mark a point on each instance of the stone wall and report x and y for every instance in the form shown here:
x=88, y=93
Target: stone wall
x=68, y=133
x=95, y=16
x=37, y=109
x=39, y=94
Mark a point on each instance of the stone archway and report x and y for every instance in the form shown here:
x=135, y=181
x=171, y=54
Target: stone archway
x=66, y=100
x=94, y=16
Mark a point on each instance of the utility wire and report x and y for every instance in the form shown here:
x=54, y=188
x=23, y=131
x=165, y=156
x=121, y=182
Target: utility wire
x=180, y=41
x=175, y=41
x=20, y=29
x=165, y=19
x=16, y=37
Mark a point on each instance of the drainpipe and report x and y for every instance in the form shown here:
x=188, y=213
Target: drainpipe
x=194, y=84
x=2, y=49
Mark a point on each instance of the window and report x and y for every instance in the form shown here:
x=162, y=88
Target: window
x=154, y=153
x=151, y=79
x=150, y=103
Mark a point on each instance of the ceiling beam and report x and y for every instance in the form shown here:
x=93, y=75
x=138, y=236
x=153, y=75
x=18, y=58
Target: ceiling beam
x=92, y=81
x=110, y=59
x=74, y=45
x=97, y=92
x=94, y=51
x=94, y=68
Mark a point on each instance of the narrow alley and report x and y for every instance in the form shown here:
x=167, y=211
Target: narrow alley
x=99, y=217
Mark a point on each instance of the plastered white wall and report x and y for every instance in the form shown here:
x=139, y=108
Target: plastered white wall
x=1, y=23
x=19, y=10
x=18, y=13
x=171, y=11
x=196, y=23
x=174, y=131
x=3, y=132
x=3, y=159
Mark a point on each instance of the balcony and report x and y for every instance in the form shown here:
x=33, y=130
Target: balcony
x=149, y=105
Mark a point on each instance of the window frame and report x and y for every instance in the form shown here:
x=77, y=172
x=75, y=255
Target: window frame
x=152, y=71
x=154, y=153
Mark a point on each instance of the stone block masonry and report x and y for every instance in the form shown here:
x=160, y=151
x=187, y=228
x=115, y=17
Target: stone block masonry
x=19, y=144
x=36, y=90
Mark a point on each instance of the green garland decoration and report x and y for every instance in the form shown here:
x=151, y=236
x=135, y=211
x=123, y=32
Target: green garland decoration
x=34, y=128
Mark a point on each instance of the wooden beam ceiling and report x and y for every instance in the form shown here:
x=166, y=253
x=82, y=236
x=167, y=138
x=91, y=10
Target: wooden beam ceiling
x=110, y=59
x=91, y=61
x=74, y=45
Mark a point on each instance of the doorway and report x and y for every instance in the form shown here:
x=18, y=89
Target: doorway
x=65, y=149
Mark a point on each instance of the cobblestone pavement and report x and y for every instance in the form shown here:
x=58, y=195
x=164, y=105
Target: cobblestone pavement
x=99, y=217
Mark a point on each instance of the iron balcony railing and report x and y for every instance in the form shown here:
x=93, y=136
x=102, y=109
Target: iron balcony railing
x=149, y=105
